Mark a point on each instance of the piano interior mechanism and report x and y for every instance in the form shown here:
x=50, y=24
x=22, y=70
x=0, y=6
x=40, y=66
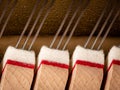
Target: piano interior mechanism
x=59, y=44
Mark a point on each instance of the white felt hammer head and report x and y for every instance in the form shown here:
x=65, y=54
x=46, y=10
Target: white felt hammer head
x=19, y=55
x=114, y=53
x=89, y=55
x=53, y=55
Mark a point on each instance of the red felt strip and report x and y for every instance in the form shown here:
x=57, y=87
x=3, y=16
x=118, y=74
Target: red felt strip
x=17, y=63
x=117, y=62
x=87, y=63
x=56, y=64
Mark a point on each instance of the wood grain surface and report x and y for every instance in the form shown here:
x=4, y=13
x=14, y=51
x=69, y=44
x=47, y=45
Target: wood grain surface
x=16, y=78
x=86, y=78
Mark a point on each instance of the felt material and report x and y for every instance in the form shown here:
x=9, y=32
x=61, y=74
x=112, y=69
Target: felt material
x=117, y=62
x=87, y=70
x=113, y=68
x=46, y=40
x=56, y=64
x=19, y=55
x=16, y=63
x=18, y=67
x=88, y=55
x=114, y=54
x=53, y=55
x=87, y=63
